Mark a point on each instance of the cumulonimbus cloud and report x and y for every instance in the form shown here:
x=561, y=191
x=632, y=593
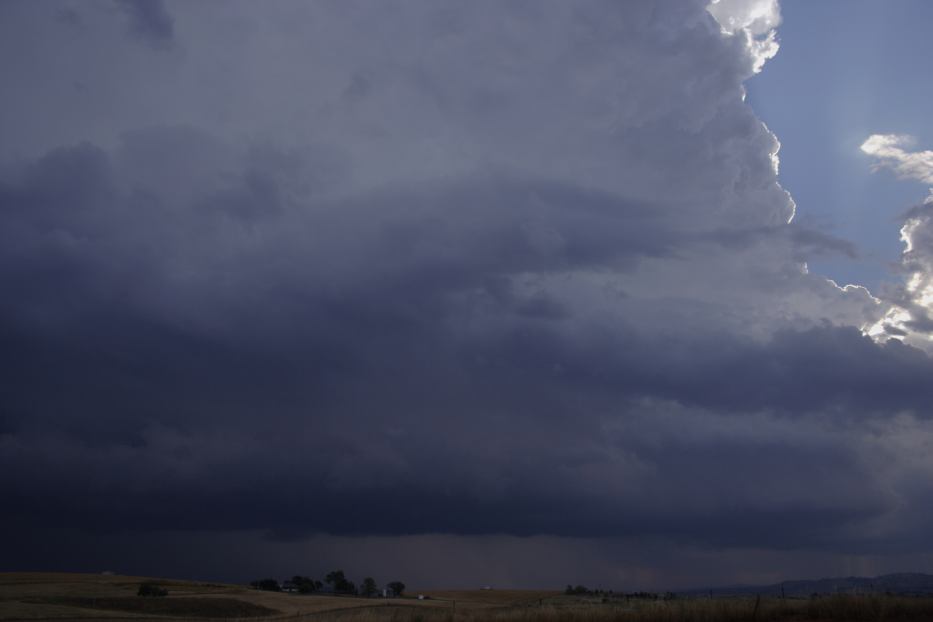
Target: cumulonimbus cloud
x=433, y=266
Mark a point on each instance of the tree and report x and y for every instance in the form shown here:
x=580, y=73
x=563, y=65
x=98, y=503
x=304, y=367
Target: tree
x=306, y=585
x=396, y=587
x=268, y=585
x=339, y=582
x=335, y=578
x=369, y=588
x=151, y=589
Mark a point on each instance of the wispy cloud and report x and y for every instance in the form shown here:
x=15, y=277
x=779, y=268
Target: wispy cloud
x=893, y=151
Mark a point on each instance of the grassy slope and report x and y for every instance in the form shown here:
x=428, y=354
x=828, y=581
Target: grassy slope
x=57, y=595
x=47, y=596
x=491, y=597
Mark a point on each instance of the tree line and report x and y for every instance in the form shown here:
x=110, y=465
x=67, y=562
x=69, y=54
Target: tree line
x=336, y=580
x=581, y=590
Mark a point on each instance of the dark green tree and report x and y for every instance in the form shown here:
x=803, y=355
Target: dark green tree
x=397, y=588
x=151, y=589
x=369, y=588
x=269, y=585
x=336, y=579
x=307, y=585
x=339, y=581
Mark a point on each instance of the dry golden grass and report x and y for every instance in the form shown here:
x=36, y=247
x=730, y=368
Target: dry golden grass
x=188, y=606
x=472, y=598
x=32, y=595
x=61, y=597
x=87, y=596
x=570, y=609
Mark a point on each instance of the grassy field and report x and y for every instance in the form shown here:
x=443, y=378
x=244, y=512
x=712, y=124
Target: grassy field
x=35, y=596
x=843, y=608
x=81, y=597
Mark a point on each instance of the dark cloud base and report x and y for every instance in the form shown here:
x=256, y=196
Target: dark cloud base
x=335, y=380
x=439, y=561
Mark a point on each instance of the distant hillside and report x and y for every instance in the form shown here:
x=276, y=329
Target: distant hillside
x=900, y=583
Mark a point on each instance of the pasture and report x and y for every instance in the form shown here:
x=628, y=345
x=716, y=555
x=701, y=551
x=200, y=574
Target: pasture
x=85, y=597
x=60, y=596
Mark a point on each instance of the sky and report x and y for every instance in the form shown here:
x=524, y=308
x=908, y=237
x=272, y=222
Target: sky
x=845, y=72
x=514, y=293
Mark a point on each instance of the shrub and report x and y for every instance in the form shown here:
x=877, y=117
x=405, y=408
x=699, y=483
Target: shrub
x=151, y=589
x=268, y=585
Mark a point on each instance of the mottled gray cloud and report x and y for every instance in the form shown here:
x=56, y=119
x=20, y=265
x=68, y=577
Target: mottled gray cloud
x=150, y=20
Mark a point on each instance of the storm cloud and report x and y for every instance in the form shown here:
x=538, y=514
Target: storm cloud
x=431, y=270
x=149, y=19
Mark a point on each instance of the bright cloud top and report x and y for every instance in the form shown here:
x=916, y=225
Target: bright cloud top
x=910, y=316
x=756, y=20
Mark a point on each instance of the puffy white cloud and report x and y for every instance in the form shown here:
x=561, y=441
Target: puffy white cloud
x=910, y=313
x=756, y=21
x=893, y=152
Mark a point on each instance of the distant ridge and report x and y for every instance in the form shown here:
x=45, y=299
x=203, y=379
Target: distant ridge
x=904, y=583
